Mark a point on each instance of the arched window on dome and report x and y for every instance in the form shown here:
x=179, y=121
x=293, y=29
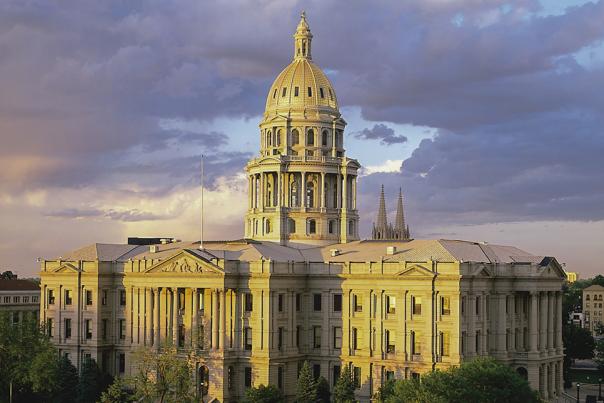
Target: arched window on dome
x=291, y=225
x=303, y=48
x=269, y=138
x=268, y=227
x=309, y=92
x=310, y=194
x=311, y=226
x=310, y=137
x=324, y=137
x=330, y=93
x=321, y=92
x=296, y=91
x=295, y=137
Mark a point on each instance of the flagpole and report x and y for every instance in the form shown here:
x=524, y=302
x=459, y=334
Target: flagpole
x=201, y=218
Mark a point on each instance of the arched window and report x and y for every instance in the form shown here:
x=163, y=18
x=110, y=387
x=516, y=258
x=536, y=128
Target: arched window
x=310, y=138
x=278, y=137
x=291, y=224
x=324, y=138
x=331, y=226
x=294, y=196
x=310, y=194
x=295, y=137
x=269, y=139
x=256, y=226
x=351, y=227
x=268, y=228
x=312, y=226
x=269, y=194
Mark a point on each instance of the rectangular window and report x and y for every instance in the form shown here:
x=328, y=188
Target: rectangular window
x=16, y=300
x=122, y=362
x=51, y=297
x=321, y=92
x=104, y=297
x=284, y=91
x=280, y=338
x=49, y=329
x=68, y=299
x=444, y=344
x=316, y=302
x=316, y=371
x=337, y=303
x=123, y=297
x=389, y=375
x=477, y=306
x=34, y=299
x=248, y=377
x=88, y=297
x=463, y=305
x=357, y=302
x=355, y=338
x=88, y=328
x=330, y=94
x=445, y=306
x=356, y=377
x=390, y=346
x=296, y=91
x=25, y=300
x=181, y=335
x=104, y=329
x=416, y=344
x=247, y=335
x=336, y=374
x=390, y=304
x=316, y=332
x=416, y=304
x=280, y=373
x=201, y=337
x=122, y=329
x=7, y=300
x=298, y=302
x=298, y=330
x=67, y=328
x=280, y=302
x=337, y=338
x=309, y=91
x=248, y=302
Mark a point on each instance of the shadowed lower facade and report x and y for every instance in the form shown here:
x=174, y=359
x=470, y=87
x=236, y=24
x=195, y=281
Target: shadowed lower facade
x=301, y=285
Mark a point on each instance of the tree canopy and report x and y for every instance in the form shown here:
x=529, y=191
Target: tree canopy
x=264, y=394
x=306, y=389
x=578, y=342
x=343, y=391
x=482, y=380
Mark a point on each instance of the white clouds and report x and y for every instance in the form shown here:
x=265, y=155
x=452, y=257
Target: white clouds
x=387, y=166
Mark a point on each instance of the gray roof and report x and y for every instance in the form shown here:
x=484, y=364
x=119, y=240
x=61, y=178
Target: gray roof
x=444, y=250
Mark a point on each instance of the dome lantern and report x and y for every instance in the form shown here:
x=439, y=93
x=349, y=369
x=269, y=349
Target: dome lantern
x=302, y=39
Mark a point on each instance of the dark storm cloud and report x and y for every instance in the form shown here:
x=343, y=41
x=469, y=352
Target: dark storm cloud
x=519, y=120
x=380, y=132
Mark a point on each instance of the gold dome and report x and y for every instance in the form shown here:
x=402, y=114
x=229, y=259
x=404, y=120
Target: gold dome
x=302, y=85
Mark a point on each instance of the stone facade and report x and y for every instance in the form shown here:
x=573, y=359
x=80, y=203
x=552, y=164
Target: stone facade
x=301, y=285
x=20, y=298
x=593, y=298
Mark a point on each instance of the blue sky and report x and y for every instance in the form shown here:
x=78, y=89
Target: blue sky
x=489, y=115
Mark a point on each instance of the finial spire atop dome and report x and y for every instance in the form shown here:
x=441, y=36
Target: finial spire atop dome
x=302, y=39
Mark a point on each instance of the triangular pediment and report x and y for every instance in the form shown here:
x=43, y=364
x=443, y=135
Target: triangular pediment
x=415, y=271
x=482, y=271
x=186, y=261
x=551, y=269
x=66, y=268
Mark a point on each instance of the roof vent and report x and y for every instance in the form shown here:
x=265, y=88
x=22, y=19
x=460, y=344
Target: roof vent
x=334, y=252
x=165, y=241
x=153, y=248
x=390, y=250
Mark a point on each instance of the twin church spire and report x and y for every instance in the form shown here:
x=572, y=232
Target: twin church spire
x=382, y=230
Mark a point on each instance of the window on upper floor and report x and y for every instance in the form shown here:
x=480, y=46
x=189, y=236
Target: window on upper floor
x=355, y=338
x=445, y=305
x=316, y=298
x=104, y=297
x=122, y=329
x=88, y=297
x=444, y=343
x=312, y=226
x=247, y=337
x=356, y=377
x=389, y=341
x=321, y=92
x=295, y=137
x=88, y=329
x=390, y=304
x=324, y=136
x=67, y=328
x=337, y=302
x=357, y=303
x=416, y=343
x=283, y=91
x=337, y=337
x=296, y=91
x=68, y=299
x=248, y=300
x=416, y=305
x=316, y=336
x=123, y=297
x=330, y=94
x=298, y=302
x=310, y=91
x=587, y=297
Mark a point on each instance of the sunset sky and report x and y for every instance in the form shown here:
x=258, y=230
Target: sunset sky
x=489, y=115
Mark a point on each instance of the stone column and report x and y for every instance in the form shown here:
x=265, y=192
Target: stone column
x=344, y=191
x=354, y=193
x=471, y=339
x=338, y=182
x=278, y=190
x=550, y=320
x=543, y=321
x=175, y=316
x=534, y=321
x=214, y=319
x=303, y=188
x=333, y=139
x=559, y=322
x=322, y=204
x=148, y=316
x=156, y=320
x=222, y=322
x=194, y=318
x=262, y=190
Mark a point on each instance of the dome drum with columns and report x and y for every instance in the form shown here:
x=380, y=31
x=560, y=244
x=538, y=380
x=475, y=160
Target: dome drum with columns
x=302, y=187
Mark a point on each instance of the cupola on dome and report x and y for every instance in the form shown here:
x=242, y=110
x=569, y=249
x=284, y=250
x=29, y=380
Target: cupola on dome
x=302, y=85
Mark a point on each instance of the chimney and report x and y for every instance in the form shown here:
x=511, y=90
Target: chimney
x=390, y=250
x=153, y=248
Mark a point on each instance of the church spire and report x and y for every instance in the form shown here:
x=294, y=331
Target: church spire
x=382, y=220
x=399, y=223
x=302, y=39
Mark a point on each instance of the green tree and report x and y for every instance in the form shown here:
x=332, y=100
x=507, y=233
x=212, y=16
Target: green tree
x=92, y=382
x=323, y=393
x=28, y=360
x=163, y=376
x=118, y=392
x=385, y=391
x=66, y=387
x=578, y=342
x=343, y=391
x=306, y=389
x=599, y=328
x=599, y=355
x=264, y=394
x=480, y=380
